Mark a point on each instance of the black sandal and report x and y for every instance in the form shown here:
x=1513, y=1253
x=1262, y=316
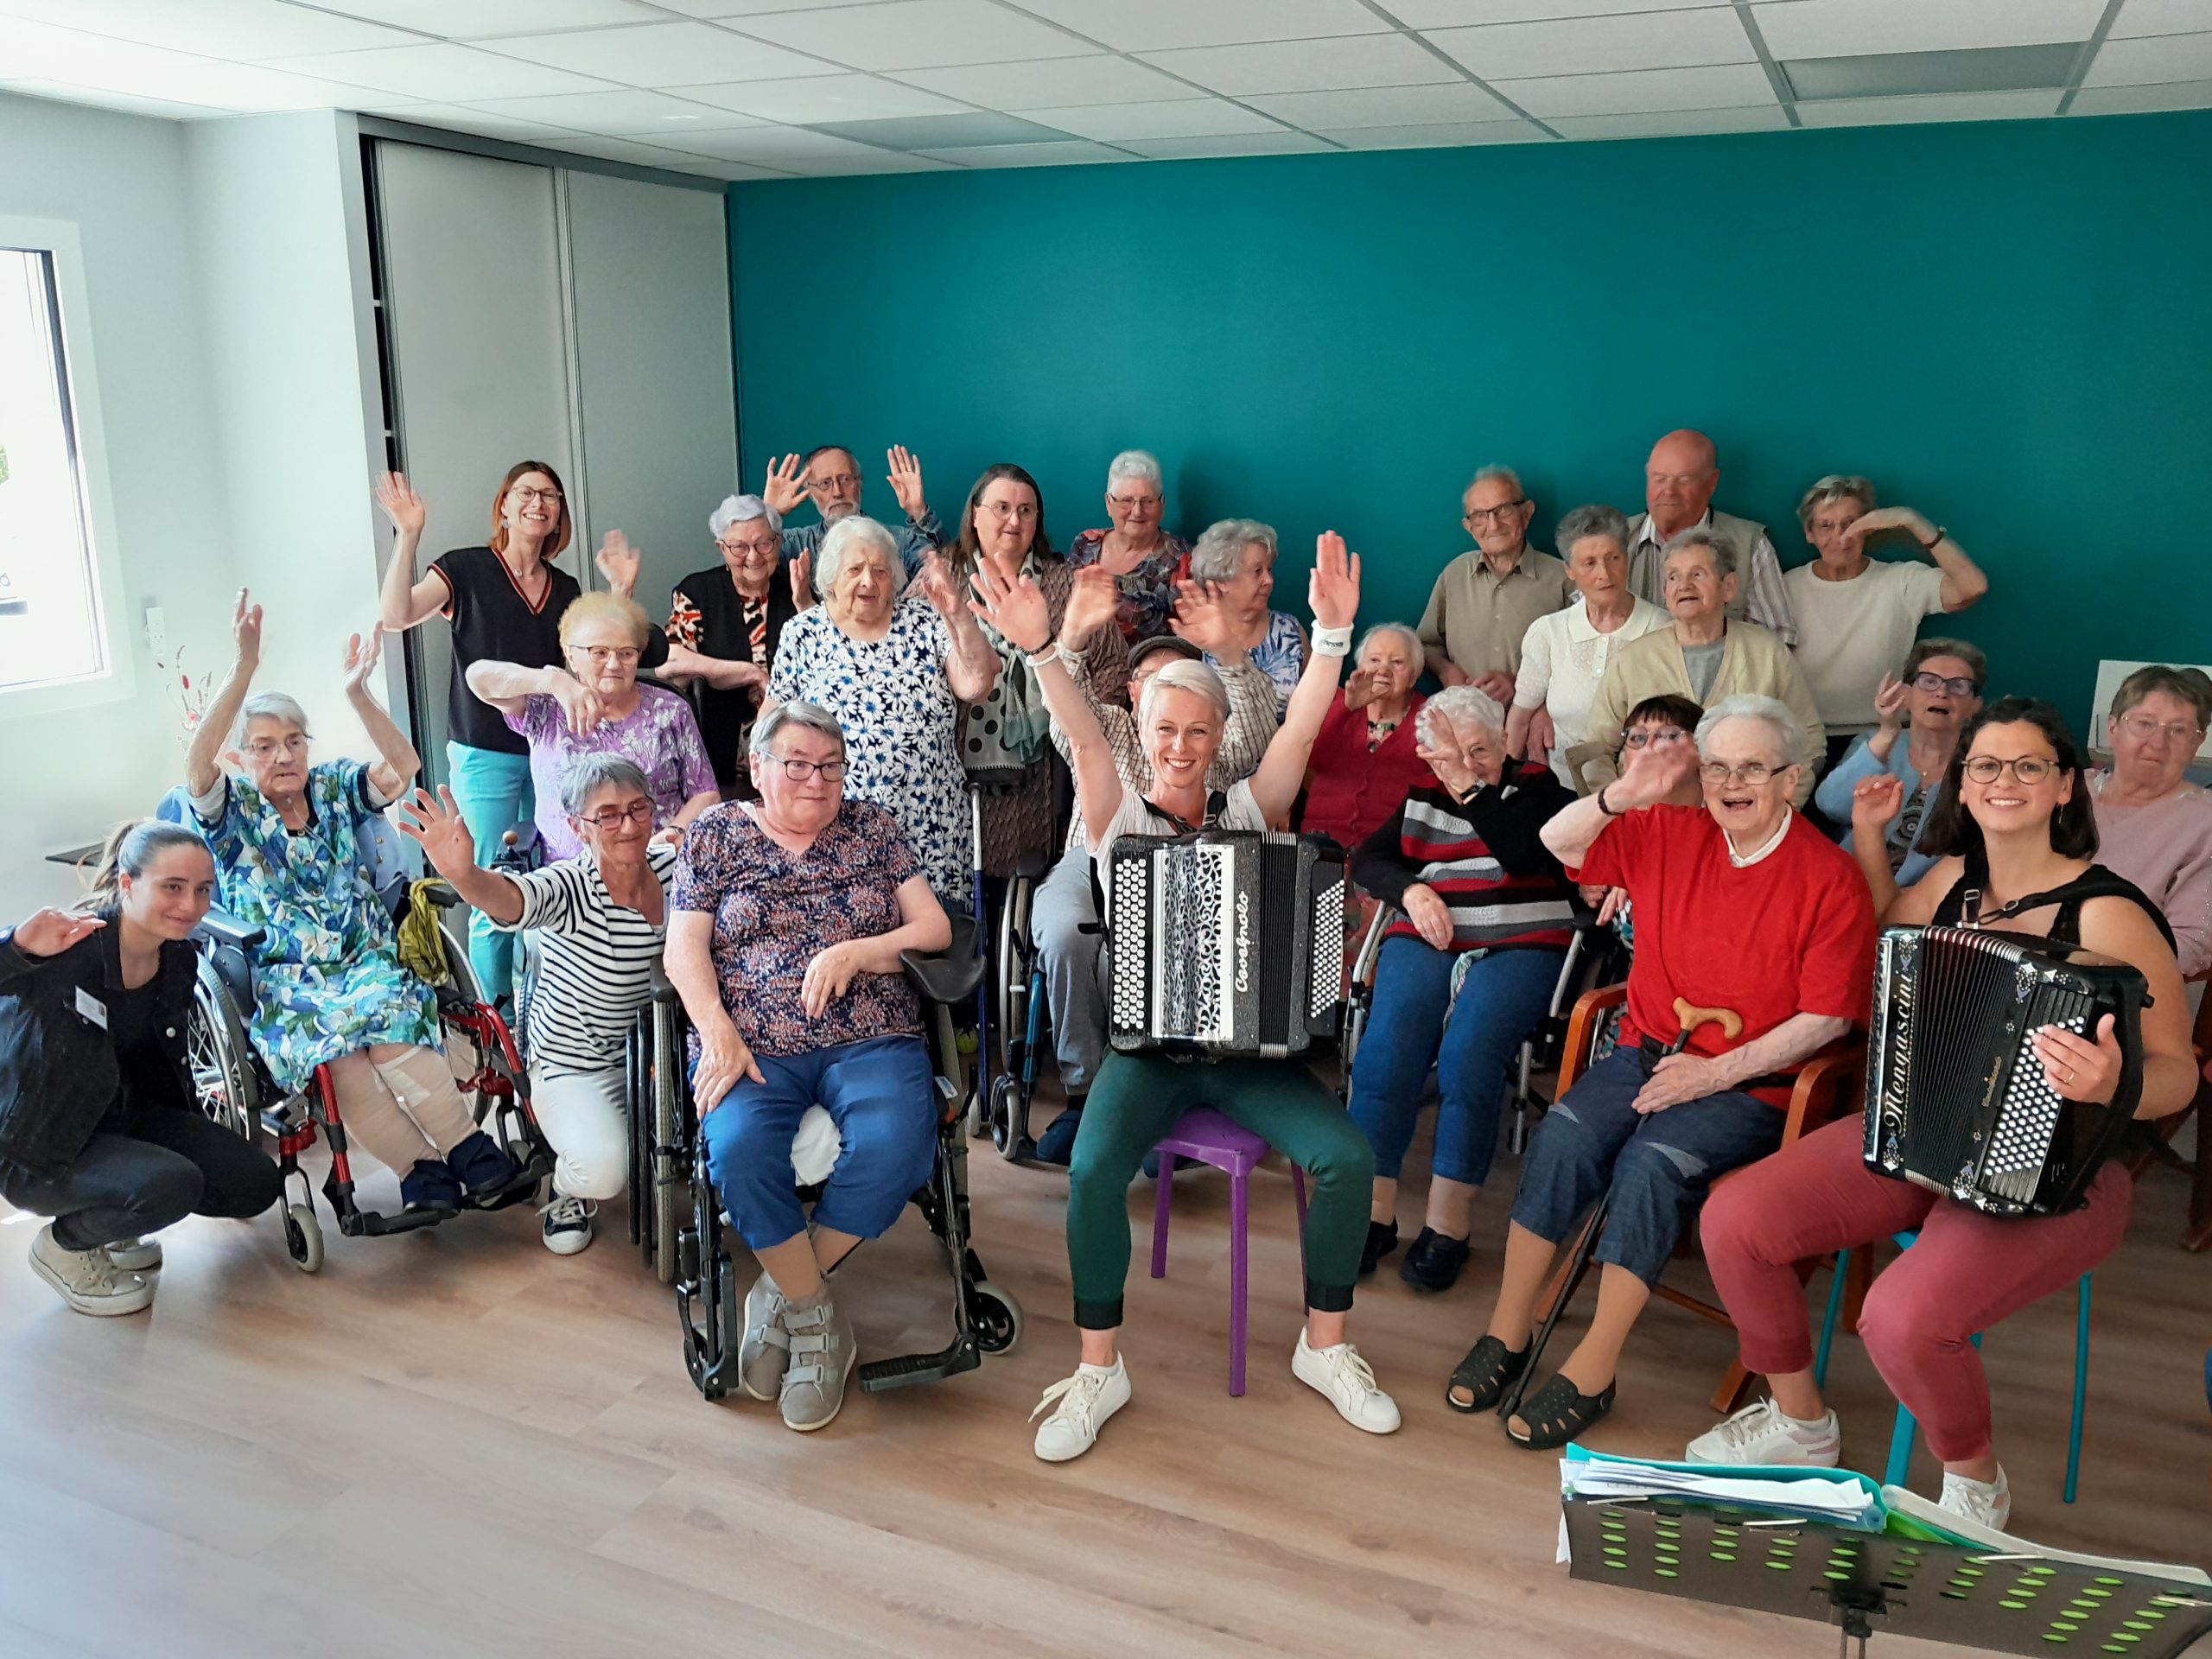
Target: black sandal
x=1487, y=1371
x=1558, y=1413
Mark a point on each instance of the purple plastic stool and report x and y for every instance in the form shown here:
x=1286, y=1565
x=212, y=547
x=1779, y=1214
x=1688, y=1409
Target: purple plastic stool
x=1206, y=1135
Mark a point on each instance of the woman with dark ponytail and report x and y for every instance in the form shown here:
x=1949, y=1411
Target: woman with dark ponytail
x=98, y=1125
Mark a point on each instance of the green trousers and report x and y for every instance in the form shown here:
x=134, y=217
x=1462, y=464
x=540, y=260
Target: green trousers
x=1137, y=1098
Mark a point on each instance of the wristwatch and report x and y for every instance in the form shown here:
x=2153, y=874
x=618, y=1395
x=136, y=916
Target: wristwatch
x=1928, y=546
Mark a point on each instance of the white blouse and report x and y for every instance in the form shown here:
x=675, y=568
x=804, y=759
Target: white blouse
x=1563, y=660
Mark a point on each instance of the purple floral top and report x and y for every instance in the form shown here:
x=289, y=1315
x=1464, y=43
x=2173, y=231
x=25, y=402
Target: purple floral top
x=1148, y=591
x=659, y=734
x=776, y=911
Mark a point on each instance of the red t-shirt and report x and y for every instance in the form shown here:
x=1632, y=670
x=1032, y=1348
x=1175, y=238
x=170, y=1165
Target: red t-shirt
x=1791, y=934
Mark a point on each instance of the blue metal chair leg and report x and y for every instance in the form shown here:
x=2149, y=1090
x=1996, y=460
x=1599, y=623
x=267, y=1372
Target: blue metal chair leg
x=1828, y=1320
x=2080, y=1386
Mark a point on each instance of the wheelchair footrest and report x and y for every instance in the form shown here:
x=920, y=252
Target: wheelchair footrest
x=878, y=1375
x=377, y=1225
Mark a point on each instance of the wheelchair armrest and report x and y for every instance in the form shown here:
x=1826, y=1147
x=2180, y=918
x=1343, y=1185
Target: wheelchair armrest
x=218, y=926
x=949, y=976
x=1032, y=866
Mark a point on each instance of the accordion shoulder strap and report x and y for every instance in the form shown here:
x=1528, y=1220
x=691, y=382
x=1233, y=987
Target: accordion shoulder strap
x=2095, y=882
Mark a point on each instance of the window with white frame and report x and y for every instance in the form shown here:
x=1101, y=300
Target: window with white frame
x=50, y=624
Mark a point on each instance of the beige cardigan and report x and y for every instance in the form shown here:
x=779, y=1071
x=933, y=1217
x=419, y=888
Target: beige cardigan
x=1751, y=660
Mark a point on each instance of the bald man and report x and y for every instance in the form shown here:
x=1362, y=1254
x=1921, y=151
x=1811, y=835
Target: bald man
x=1678, y=484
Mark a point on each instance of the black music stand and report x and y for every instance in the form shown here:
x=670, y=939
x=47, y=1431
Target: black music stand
x=1874, y=1582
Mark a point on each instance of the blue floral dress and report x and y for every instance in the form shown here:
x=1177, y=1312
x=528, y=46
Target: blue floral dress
x=327, y=978
x=896, y=706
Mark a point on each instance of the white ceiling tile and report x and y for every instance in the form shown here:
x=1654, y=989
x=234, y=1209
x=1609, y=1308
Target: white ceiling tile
x=661, y=55
x=1450, y=135
x=824, y=98
x=1842, y=29
x=729, y=172
x=915, y=35
x=775, y=146
x=621, y=150
x=2143, y=101
x=1717, y=87
x=252, y=89
x=1161, y=25
x=461, y=20
x=451, y=74
x=1384, y=106
x=744, y=7
x=455, y=117
x=885, y=161
x=629, y=114
x=1181, y=118
x=1671, y=123
x=1307, y=66
x=239, y=29
x=1253, y=143
x=1451, y=14
x=2140, y=63
x=1046, y=155
x=1584, y=46
x=1943, y=106
x=1055, y=83
x=2160, y=18
x=100, y=98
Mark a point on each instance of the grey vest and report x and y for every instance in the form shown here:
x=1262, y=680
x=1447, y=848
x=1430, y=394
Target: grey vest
x=1738, y=535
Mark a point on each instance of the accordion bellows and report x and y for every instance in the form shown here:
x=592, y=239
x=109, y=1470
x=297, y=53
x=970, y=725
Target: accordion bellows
x=1228, y=942
x=1956, y=1099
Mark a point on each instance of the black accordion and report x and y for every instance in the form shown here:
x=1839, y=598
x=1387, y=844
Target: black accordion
x=1956, y=1099
x=1225, y=942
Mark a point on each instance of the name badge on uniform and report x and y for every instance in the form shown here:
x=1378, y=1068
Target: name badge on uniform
x=91, y=1007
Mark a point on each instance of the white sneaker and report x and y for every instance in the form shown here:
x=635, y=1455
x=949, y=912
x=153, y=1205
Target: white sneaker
x=568, y=1226
x=1085, y=1401
x=1760, y=1435
x=135, y=1254
x=1344, y=1378
x=1988, y=1504
x=87, y=1280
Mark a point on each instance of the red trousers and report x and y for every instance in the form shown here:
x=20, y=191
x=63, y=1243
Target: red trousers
x=1967, y=1272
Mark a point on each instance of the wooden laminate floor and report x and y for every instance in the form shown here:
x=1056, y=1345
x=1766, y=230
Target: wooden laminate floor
x=455, y=1444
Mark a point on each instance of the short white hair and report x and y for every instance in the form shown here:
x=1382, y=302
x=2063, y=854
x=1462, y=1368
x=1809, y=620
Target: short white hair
x=1496, y=474
x=844, y=536
x=1411, y=636
x=1462, y=705
x=1183, y=675
x=271, y=705
x=742, y=510
x=1219, y=552
x=1773, y=713
x=1137, y=464
x=1724, y=558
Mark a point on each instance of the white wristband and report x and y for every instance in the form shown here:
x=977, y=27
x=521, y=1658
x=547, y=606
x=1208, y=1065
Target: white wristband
x=1332, y=642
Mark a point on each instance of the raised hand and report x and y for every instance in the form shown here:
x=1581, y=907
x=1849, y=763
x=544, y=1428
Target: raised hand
x=1449, y=765
x=1093, y=598
x=802, y=582
x=1333, y=591
x=785, y=487
x=363, y=653
x=1875, y=803
x=50, y=932
x=1652, y=773
x=1889, y=700
x=579, y=703
x=619, y=562
x=2076, y=1068
x=438, y=827
x=1201, y=618
x=245, y=631
x=937, y=586
x=400, y=503
x=1359, y=691
x=1014, y=606
x=1884, y=519
x=906, y=480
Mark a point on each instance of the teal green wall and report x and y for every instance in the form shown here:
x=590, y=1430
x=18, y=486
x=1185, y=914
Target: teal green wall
x=2008, y=326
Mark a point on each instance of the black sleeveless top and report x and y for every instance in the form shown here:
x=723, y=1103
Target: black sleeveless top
x=2095, y=882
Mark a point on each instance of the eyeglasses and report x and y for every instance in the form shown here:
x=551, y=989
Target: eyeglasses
x=799, y=771
x=611, y=818
x=626, y=655
x=1494, y=515
x=1123, y=503
x=1754, y=773
x=2028, y=768
x=835, y=481
x=264, y=748
x=2143, y=729
x=1004, y=510
x=1932, y=683
x=1654, y=737
x=525, y=493
x=763, y=549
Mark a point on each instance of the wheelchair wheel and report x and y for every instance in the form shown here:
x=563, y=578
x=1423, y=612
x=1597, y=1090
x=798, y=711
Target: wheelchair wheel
x=663, y=1171
x=1009, y=1115
x=303, y=1238
x=995, y=1315
x=216, y=1056
x=1012, y=967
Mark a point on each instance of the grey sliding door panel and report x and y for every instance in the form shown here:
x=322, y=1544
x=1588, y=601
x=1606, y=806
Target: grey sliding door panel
x=649, y=269
x=476, y=338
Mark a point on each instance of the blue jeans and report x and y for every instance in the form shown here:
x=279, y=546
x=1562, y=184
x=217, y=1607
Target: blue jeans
x=1655, y=1166
x=492, y=788
x=1506, y=993
x=884, y=1099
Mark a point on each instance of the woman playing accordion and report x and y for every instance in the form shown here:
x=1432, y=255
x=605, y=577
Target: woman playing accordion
x=2015, y=840
x=1137, y=1097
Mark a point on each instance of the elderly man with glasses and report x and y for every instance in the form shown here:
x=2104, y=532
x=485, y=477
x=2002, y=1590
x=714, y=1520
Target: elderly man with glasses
x=1484, y=601
x=829, y=476
x=731, y=614
x=1755, y=950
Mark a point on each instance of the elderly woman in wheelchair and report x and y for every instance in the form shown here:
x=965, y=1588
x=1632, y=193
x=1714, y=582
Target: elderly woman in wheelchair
x=784, y=941
x=330, y=996
x=1465, y=975
x=598, y=922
